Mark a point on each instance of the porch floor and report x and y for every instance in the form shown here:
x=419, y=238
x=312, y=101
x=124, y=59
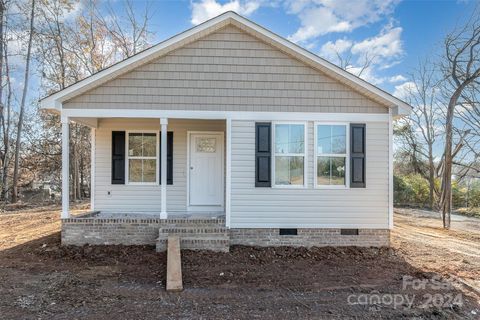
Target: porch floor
x=171, y=215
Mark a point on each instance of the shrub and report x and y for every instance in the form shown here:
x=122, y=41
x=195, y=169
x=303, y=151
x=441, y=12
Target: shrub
x=411, y=190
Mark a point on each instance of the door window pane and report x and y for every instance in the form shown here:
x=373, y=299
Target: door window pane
x=206, y=145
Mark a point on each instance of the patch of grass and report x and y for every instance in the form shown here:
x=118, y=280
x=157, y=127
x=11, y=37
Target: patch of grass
x=469, y=212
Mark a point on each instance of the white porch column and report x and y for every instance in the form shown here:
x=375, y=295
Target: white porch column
x=65, y=168
x=390, y=169
x=92, y=168
x=228, y=173
x=163, y=168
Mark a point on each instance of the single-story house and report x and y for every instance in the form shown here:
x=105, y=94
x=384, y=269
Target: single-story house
x=230, y=134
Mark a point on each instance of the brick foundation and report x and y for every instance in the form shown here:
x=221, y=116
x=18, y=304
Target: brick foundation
x=313, y=237
x=145, y=231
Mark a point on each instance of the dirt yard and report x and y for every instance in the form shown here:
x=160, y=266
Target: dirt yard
x=39, y=279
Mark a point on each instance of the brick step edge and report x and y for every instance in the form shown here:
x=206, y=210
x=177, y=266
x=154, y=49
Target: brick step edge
x=182, y=222
x=219, y=245
x=199, y=239
x=193, y=226
x=193, y=230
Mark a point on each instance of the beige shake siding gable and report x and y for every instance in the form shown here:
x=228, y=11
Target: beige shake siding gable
x=228, y=70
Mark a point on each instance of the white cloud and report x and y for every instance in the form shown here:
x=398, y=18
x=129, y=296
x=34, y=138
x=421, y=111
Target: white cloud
x=397, y=78
x=465, y=108
x=317, y=22
x=331, y=50
x=366, y=73
x=319, y=17
x=296, y=6
x=386, y=45
x=404, y=89
x=207, y=9
x=73, y=12
x=364, y=58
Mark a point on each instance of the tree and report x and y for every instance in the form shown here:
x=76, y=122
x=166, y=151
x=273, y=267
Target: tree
x=2, y=106
x=6, y=123
x=461, y=70
x=129, y=33
x=22, y=105
x=420, y=131
x=71, y=46
x=468, y=115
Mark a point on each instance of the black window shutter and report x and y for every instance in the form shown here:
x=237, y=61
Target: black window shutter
x=118, y=157
x=263, y=154
x=357, y=155
x=169, y=158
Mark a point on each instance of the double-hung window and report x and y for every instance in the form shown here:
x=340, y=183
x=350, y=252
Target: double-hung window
x=331, y=155
x=289, y=154
x=142, y=157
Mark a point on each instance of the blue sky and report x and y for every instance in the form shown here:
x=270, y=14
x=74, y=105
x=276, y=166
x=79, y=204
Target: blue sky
x=393, y=35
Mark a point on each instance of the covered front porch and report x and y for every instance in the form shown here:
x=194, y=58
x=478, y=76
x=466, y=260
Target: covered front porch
x=154, y=168
x=186, y=215
x=197, y=230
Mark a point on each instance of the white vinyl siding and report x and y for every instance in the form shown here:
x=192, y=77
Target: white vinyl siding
x=309, y=208
x=144, y=198
x=228, y=70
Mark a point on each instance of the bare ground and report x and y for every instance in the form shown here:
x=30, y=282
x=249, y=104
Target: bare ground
x=40, y=279
x=419, y=236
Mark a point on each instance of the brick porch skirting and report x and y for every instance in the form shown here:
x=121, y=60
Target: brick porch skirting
x=145, y=231
x=110, y=231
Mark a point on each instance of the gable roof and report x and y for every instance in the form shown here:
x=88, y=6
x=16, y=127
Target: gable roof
x=55, y=100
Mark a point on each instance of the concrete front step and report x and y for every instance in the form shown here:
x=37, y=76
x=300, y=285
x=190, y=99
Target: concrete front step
x=212, y=243
x=195, y=222
x=196, y=230
x=198, y=234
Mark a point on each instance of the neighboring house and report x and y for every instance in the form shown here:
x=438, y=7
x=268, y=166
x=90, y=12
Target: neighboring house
x=229, y=134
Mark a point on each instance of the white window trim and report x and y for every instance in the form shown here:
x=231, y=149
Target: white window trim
x=127, y=158
x=305, y=156
x=347, y=156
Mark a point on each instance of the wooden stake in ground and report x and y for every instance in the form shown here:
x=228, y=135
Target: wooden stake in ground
x=174, y=265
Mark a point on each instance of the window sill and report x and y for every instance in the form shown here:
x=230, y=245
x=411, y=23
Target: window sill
x=289, y=187
x=142, y=184
x=332, y=187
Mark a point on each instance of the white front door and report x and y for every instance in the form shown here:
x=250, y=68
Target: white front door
x=206, y=170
